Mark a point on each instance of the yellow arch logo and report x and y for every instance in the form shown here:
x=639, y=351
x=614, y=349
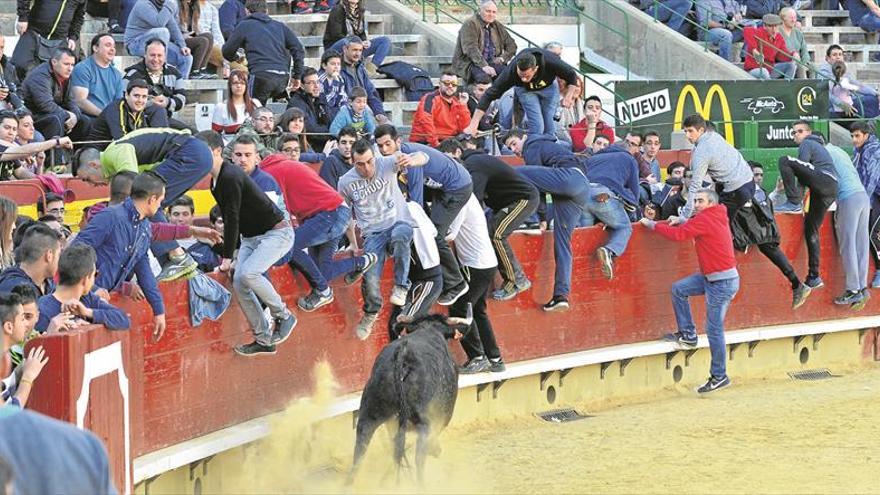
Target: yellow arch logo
x=704, y=107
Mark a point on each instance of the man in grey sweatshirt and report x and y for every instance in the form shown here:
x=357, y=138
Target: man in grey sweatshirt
x=813, y=168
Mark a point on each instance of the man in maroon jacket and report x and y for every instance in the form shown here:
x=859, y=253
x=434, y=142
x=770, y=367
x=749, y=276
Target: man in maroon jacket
x=717, y=279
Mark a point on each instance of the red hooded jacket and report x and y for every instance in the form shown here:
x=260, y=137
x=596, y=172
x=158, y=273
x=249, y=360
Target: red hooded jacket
x=305, y=192
x=710, y=231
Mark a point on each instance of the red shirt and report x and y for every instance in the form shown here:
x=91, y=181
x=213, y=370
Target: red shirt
x=710, y=231
x=437, y=119
x=579, y=131
x=774, y=50
x=305, y=192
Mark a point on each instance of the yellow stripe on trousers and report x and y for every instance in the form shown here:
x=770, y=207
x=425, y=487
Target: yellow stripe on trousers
x=497, y=239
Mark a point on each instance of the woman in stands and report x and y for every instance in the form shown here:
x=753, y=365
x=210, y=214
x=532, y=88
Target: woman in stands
x=200, y=43
x=293, y=120
x=8, y=215
x=229, y=117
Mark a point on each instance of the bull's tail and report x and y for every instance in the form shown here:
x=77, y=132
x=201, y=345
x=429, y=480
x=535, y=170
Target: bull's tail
x=401, y=372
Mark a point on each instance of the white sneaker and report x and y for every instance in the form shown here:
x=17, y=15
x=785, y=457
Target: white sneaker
x=398, y=295
x=365, y=326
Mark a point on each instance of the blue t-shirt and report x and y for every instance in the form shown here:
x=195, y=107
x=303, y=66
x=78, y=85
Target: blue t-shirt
x=441, y=171
x=848, y=182
x=104, y=83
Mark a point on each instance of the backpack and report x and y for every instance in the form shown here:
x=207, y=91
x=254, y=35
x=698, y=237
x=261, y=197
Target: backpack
x=414, y=80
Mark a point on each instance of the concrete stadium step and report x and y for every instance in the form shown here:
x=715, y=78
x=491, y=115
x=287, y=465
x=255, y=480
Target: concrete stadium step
x=838, y=35
x=424, y=61
x=816, y=18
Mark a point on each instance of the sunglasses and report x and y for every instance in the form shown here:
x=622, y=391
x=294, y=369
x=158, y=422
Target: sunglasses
x=449, y=83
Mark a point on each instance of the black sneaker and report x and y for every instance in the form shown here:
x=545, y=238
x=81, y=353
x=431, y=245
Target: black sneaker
x=369, y=260
x=799, y=295
x=448, y=298
x=814, y=282
x=848, y=298
x=478, y=364
x=283, y=329
x=254, y=348
x=713, y=384
x=315, y=300
x=606, y=261
x=558, y=303
x=679, y=339
x=496, y=365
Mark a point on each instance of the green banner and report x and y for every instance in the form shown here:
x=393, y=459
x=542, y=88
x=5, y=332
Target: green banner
x=774, y=105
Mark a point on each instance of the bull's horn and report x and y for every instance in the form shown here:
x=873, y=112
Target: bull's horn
x=466, y=321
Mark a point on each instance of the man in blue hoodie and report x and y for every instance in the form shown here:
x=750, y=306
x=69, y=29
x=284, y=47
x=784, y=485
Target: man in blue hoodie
x=269, y=45
x=36, y=261
x=813, y=168
x=866, y=158
x=231, y=13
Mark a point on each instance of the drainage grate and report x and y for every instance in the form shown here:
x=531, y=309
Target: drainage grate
x=811, y=374
x=562, y=416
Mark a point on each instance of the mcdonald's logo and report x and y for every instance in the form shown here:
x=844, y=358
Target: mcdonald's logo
x=704, y=107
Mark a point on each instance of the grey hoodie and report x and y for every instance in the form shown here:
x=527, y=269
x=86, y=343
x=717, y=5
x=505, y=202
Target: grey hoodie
x=716, y=158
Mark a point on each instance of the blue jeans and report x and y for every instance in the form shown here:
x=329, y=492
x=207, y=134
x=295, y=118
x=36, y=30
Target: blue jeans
x=571, y=197
x=781, y=70
x=182, y=169
x=256, y=255
x=137, y=47
x=540, y=107
x=869, y=22
x=395, y=241
x=612, y=214
x=321, y=233
x=724, y=40
x=671, y=13
x=718, y=296
x=380, y=47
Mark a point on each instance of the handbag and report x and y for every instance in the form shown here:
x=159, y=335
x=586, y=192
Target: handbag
x=46, y=46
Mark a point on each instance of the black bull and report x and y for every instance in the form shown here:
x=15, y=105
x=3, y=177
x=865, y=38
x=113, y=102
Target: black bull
x=415, y=378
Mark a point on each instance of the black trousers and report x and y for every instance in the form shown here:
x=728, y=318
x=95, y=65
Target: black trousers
x=796, y=175
x=736, y=199
x=501, y=225
x=777, y=257
x=479, y=340
x=421, y=297
x=268, y=85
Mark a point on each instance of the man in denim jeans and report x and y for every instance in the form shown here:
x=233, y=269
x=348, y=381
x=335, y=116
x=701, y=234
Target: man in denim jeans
x=717, y=279
x=721, y=22
x=266, y=236
x=370, y=189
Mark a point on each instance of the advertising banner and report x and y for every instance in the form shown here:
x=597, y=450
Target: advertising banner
x=774, y=105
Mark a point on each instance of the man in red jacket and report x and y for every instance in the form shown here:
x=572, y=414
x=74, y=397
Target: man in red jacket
x=717, y=279
x=767, y=56
x=441, y=114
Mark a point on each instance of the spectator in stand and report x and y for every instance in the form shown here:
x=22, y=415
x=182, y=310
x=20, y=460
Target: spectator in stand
x=794, y=37
x=718, y=279
x=121, y=237
x=851, y=221
x=483, y=45
x=338, y=162
x=128, y=114
x=511, y=200
x=28, y=134
x=9, y=97
x=158, y=19
x=452, y=188
x=633, y=143
x=165, y=81
x=333, y=91
x=293, y=120
x=866, y=158
x=265, y=235
x=354, y=75
x=269, y=46
x=569, y=117
x=585, y=131
x=262, y=126
x=317, y=116
x=757, y=9
x=240, y=106
x=441, y=114
x=19, y=384
x=95, y=82
x=323, y=219
x=231, y=13
x=200, y=43
x=356, y=115
x=862, y=13
x=848, y=97
x=36, y=260
x=8, y=216
x=46, y=92
x=370, y=190
x=715, y=159
x=532, y=75
x=349, y=18
x=599, y=143
x=77, y=270
x=767, y=55
x=13, y=157
x=674, y=170
x=650, y=149
x=302, y=7
x=812, y=168
x=670, y=12
x=723, y=20
x=59, y=23
x=209, y=22
x=51, y=205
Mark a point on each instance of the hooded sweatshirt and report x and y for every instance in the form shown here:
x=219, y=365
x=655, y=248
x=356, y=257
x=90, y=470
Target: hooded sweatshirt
x=867, y=161
x=812, y=150
x=305, y=193
x=616, y=168
x=268, y=45
x=542, y=149
x=710, y=232
x=14, y=276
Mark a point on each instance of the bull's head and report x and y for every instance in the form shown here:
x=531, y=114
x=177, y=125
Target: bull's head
x=452, y=327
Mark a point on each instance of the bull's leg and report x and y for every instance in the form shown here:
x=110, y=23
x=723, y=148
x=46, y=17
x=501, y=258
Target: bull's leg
x=424, y=431
x=365, y=430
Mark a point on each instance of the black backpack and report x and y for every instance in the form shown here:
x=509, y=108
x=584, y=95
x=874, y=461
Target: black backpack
x=414, y=80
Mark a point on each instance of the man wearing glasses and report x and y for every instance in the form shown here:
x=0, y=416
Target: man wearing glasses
x=441, y=114
x=308, y=99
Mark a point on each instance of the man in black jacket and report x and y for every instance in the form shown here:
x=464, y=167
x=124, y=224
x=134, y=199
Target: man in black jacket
x=127, y=114
x=512, y=200
x=338, y=162
x=349, y=18
x=46, y=92
x=9, y=98
x=269, y=45
x=50, y=20
x=532, y=75
x=266, y=236
x=164, y=81
x=308, y=99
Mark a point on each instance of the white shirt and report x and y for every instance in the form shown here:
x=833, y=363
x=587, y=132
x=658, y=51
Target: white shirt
x=471, y=236
x=424, y=233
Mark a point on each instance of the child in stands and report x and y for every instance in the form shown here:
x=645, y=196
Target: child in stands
x=356, y=114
